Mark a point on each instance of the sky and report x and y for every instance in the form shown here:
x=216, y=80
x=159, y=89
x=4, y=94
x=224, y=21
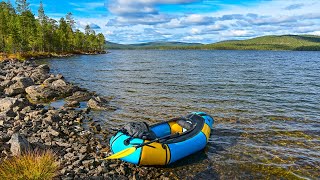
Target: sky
x=193, y=21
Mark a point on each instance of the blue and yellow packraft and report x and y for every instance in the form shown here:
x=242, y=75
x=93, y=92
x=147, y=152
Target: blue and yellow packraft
x=174, y=141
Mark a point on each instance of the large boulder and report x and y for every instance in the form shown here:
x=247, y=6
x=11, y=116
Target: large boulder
x=44, y=68
x=41, y=73
x=64, y=88
x=41, y=93
x=19, y=144
x=19, y=86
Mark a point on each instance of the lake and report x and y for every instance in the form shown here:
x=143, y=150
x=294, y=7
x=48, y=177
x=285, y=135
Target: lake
x=265, y=104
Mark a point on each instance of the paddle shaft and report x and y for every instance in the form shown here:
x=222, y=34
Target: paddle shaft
x=157, y=140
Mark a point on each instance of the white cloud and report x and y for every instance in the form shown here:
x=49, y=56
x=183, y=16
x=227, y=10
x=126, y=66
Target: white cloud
x=193, y=38
x=216, y=27
x=229, y=22
x=139, y=7
x=315, y=33
x=195, y=31
x=237, y=33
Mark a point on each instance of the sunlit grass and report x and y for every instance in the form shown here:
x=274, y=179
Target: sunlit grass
x=33, y=165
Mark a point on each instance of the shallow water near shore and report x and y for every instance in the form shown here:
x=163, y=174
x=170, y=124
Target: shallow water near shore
x=265, y=104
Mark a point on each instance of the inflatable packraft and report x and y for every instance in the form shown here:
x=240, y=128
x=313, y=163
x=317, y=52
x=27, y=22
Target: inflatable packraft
x=174, y=140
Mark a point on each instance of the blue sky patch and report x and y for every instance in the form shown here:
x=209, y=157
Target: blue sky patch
x=201, y=21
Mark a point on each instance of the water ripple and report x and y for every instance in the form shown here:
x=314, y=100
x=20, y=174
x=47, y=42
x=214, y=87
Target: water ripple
x=265, y=104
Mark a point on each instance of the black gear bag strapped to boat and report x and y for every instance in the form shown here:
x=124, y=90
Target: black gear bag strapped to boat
x=138, y=130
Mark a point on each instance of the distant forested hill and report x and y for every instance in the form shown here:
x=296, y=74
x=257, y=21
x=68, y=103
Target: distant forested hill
x=283, y=42
x=151, y=45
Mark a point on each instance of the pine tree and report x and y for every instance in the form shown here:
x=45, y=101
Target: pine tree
x=41, y=27
x=41, y=15
x=70, y=20
x=22, y=6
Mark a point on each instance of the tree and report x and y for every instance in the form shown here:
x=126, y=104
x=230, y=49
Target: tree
x=70, y=20
x=101, y=42
x=42, y=18
x=22, y=6
x=41, y=15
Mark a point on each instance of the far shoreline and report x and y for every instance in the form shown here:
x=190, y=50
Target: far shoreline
x=45, y=55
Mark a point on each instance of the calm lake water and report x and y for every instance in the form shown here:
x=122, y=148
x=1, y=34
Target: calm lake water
x=265, y=103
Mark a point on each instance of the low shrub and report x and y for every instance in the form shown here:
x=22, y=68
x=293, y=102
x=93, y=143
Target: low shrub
x=32, y=165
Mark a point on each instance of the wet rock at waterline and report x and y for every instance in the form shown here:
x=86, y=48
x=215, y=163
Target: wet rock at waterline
x=41, y=93
x=80, y=96
x=72, y=104
x=100, y=103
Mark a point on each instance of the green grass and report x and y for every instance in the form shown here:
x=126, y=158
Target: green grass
x=33, y=165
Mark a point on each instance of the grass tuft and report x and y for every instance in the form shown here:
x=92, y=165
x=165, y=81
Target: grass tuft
x=32, y=165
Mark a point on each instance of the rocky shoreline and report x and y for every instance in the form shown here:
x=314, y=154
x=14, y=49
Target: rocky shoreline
x=78, y=141
x=69, y=131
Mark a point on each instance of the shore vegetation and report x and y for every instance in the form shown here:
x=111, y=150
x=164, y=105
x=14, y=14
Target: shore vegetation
x=32, y=165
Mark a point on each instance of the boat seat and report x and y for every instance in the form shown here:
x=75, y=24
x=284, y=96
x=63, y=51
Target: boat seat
x=186, y=125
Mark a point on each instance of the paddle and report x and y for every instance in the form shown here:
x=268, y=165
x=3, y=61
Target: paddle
x=128, y=151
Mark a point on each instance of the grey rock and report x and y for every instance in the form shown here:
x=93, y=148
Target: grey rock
x=53, y=118
x=98, y=127
x=48, y=81
x=83, y=149
x=59, y=76
x=40, y=93
x=121, y=170
x=39, y=77
x=58, y=84
x=10, y=113
x=72, y=104
x=54, y=132
x=23, y=82
x=13, y=90
x=8, y=103
x=44, y=68
x=26, y=109
x=44, y=135
x=40, y=73
x=99, y=103
x=79, y=96
x=62, y=144
x=87, y=163
x=5, y=83
x=69, y=156
x=19, y=144
x=2, y=78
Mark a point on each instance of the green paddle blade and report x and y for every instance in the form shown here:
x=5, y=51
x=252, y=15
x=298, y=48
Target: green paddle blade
x=123, y=153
